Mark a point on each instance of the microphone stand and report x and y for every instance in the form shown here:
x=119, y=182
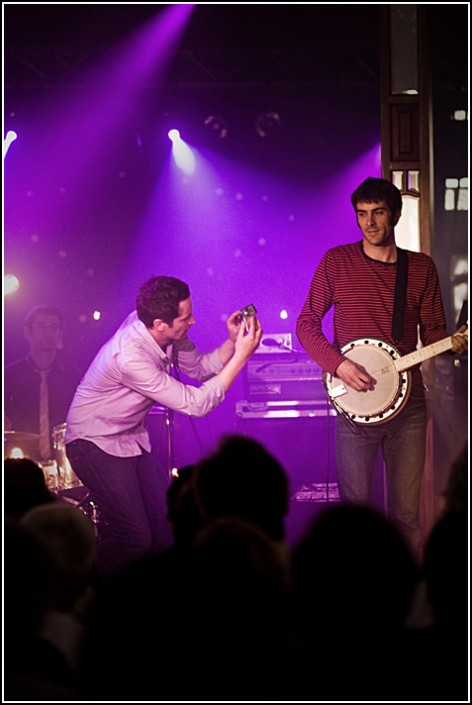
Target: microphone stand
x=169, y=422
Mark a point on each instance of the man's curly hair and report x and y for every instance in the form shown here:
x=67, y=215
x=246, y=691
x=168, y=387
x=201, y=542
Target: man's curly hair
x=160, y=297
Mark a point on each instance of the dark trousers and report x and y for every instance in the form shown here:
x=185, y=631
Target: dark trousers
x=131, y=498
x=402, y=441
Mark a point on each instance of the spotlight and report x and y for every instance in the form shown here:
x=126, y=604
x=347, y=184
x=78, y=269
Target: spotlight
x=267, y=123
x=11, y=284
x=11, y=137
x=16, y=453
x=183, y=155
x=217, y=125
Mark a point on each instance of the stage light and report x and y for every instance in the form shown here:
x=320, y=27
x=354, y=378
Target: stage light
x=217, y=125
x=173, y=135
x=11, y=284
x=459, y=115
x=267, y=123
x=11, y=137
x=183, y=155
x=16, y=453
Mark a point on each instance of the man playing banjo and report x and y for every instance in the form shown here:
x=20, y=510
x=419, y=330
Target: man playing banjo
x=383, y=298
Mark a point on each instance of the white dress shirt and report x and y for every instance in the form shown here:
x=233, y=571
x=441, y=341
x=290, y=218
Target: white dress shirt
x=128, y=376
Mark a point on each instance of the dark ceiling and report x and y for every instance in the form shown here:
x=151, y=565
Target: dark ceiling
x=212, y=27
x=224, y=45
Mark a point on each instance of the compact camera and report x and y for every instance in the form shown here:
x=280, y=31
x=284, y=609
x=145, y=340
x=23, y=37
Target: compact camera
x=246, y=313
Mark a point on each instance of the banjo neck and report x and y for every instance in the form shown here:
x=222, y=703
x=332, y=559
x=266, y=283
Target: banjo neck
x=417, y=356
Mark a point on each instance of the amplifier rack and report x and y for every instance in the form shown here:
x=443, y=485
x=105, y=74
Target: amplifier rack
x=284, y=409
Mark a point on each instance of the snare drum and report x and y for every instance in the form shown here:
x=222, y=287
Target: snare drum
x=67, y=476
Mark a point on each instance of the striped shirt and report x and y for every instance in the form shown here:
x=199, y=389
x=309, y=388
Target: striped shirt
x=361, y=290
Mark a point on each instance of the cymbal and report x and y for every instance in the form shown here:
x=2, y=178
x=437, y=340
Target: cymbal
x=19, y=436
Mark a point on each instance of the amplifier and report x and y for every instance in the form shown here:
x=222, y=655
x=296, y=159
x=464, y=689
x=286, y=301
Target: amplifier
x=300, y=368
x=284, y=409
x=295, y=377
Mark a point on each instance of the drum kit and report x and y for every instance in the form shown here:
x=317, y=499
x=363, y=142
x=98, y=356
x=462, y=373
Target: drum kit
x=59, y=475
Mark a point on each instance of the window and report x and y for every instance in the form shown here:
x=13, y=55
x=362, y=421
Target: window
x=456, y=194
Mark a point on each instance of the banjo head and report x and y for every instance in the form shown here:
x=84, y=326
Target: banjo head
x=391, y=388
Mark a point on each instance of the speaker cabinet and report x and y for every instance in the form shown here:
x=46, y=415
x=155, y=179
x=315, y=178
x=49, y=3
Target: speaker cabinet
x=304, y=446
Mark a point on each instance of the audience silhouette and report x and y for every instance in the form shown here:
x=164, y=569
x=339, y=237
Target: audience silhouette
x=34, y=668
x=435, y=655
x=241, y=478
x=24, y=487
x=354, y=579
x=228, y=612
x=165, y=612
x=67, y=537
x=239, y=613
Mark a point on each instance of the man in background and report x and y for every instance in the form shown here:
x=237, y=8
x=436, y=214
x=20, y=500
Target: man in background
x=39, y=388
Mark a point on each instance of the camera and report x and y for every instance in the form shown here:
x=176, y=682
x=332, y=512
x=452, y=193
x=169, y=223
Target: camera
x=246, y=313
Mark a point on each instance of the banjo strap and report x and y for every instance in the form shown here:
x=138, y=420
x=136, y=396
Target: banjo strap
x=400, y=295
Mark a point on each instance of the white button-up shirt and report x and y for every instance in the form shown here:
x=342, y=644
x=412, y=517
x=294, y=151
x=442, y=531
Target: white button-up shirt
x=128, y=376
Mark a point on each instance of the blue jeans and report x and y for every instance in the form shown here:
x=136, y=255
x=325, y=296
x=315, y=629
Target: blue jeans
x=131, y=497
x=402, y=441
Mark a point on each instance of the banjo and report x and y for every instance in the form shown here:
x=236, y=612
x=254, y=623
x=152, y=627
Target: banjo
x=393, y=380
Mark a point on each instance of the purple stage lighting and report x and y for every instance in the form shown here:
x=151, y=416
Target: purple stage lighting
x=173, y=135
x=10, y=284
x=11, y=137
x=183, y=155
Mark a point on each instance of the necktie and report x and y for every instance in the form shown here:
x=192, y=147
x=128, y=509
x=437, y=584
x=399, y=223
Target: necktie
x=44, y=440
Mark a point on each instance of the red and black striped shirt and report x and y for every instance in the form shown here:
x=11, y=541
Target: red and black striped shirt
x=361, y=290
